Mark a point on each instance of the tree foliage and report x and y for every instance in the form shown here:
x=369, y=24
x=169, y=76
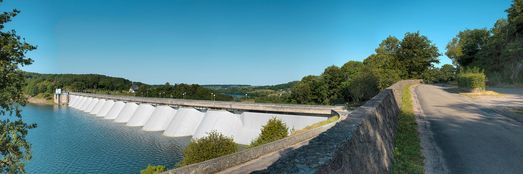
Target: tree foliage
x=497, y=51
x=417, y=53
x=355, y=81
x=212, y=146
x=15, y=150
x=274, y=130
x=181, y=91
x=153, y=169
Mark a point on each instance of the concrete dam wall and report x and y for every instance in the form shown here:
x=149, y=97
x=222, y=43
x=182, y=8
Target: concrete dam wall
x=183, y=121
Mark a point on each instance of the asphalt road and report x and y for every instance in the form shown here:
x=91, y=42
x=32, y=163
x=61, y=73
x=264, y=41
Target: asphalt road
x=472, y=136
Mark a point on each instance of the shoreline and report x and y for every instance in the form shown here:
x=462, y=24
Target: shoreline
x=39, y=101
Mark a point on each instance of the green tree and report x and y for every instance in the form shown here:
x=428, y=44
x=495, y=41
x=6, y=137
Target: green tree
x=389, y=46
x=447, y=72
x=363, y=86
x=153, y=169
x=212, y=146
x=351, y=68
x=464, y=48
x=310, y=90
x=15, y=150
x=417, y=53
x=333, y=78
x=274, y=130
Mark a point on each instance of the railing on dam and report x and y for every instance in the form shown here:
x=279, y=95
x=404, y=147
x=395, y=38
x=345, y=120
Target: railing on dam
x=258, y=107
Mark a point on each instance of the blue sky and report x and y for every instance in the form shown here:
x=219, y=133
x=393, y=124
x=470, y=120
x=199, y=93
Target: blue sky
x=253, y=42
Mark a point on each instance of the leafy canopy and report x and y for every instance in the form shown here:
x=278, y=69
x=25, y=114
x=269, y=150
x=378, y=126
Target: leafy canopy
x=14, y=148
x=274, y=130
x=212, y=146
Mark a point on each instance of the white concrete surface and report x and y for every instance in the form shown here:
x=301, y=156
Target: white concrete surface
x=72, y=100
x=92, y=105
x=115, y=110
x=184, y=123
x=160, y=119
x=79, y=102
x=126, y=113
x=253, y=122
x=221, y=121
x=142, y=114
x=98, y=107
x=86, y=103
x=105, y=108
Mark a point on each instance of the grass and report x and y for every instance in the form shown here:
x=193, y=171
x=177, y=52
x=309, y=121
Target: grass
x=316, y=125
x=407, y=149
x=482, y=93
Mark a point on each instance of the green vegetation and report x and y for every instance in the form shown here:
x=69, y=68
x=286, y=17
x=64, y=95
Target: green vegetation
x=153, y=169
x=259, y=94
x=407, y=148
x=356, y=82
x=444, y=74
x=497, y=50
x=317, y=125
x=181, y=91
x=274, y=130
x=472, y=79
x=206, y=148
x=15, y=150
x=44, y=85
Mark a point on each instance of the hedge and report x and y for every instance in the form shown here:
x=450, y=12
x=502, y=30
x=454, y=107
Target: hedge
x=472, y=81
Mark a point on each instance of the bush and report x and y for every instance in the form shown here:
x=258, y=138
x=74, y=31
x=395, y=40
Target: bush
x=153, y=169
x=274, y=130
x=206, y=148
x=472, y=79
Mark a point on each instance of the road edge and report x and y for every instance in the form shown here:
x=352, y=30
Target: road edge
x=433, y=161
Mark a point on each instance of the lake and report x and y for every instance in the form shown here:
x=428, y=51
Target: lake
x=71, y=141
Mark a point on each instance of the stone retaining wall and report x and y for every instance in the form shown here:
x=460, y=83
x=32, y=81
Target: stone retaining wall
x=362, y=143
x=224, y=162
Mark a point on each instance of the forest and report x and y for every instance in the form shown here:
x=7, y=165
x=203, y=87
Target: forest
x=498, y=50
x=44, y=85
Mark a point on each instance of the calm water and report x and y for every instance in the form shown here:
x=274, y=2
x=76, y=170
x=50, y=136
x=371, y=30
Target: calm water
x=71, y=141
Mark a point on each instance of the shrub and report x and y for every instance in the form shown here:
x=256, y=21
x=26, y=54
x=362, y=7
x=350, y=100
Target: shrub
x=472, y=79
x=212, y=146
x=274, y=130
x=153, y=169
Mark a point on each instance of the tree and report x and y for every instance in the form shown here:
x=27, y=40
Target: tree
x=417, y=53
x=389, y=46
x=275, y=129
x=153, y=169
x=15, y=150
x=351, y=68
x=464, y=48
x=386, y=69
x=310, y=90
x=332, y=77
x=212, y=146
x=447, y=72
x=363, y=86
x=515, y=18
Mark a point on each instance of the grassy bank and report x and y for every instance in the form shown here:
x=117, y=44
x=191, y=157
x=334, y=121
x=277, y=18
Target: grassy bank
x=407, y=149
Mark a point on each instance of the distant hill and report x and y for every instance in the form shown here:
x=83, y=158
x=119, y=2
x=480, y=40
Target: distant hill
x=43, y=85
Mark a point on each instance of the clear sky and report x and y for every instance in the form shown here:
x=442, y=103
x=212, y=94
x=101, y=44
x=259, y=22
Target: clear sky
x=253, y=42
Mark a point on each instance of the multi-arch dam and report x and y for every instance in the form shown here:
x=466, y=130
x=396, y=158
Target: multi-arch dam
x=196, y=118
